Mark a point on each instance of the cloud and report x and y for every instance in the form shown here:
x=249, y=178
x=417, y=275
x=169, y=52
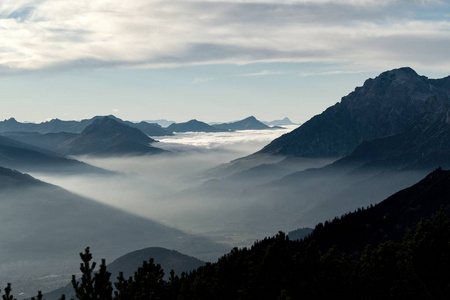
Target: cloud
x=262, y=73
x=43, y=34
x=115, y=110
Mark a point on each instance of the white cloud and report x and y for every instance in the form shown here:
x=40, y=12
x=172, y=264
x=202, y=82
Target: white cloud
x=262, y=73
x=115, y=110
x=36, y=34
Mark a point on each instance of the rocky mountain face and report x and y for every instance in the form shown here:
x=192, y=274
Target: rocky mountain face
x=382, y=107
x=250, y=123
x=106, y=136
x=193, y=126
x=423, y=144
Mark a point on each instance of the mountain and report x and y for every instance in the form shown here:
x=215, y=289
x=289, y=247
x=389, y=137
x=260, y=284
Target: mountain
x=193, y=126
x=45, y=226
x=422, y=145
x=161, y=122
x=391, y=219
x=58, y=126
x=106, y=136
x=383, y=106
x=281, y=122
x=52, y=126
x=25, y=157
x=129, y=263
x=368, y=254
x=250, y=123
x=48, y=141
x=147, y=128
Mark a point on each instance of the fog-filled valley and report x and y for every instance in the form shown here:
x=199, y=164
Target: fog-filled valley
x=203, y=189
x=169, y=188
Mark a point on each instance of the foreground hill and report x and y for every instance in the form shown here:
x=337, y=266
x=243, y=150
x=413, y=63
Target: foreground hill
x=129, y=263
x=193, y=126
x=250, y=123
x=106, y=136
x=383, y=106
x=43, y=225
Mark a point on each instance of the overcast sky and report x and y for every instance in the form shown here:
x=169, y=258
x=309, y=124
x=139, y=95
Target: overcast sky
x=210, y=60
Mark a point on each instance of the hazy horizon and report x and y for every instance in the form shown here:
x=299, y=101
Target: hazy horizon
x=183, y=59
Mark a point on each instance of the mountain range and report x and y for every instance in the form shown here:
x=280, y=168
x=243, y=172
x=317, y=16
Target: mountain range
x=250, y=123
x=284, y=121
x=383, y=106
x=58, y=126
x=107, y=136
x=104, y=136
x=193, y=126
x=381, y=138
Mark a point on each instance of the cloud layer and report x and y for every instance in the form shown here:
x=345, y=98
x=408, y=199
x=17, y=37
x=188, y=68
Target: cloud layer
x=37, y=34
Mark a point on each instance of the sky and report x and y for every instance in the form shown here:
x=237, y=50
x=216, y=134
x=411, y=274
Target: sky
x=209, y=60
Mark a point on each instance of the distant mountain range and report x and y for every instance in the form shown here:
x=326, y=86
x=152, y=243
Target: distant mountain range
x=250, y=123
x=104, y=136
x=58, y=126
x=161, y=122
x=281, y=122
x=107, y=136
x=193, y=126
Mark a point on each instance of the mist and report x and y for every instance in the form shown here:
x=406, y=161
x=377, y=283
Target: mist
x=168, y=188
x=196, y=189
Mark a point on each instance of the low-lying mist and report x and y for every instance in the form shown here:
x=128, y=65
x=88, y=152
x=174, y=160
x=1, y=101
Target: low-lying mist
x=164, y=188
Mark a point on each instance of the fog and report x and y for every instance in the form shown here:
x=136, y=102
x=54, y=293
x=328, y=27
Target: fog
x=168, y=188
x=208, y=199
x=239, y=202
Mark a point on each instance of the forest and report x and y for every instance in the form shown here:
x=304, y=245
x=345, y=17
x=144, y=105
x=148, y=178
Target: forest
x=416, y=267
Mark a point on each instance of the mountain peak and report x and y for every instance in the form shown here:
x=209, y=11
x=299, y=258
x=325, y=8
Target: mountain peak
x=11, y=120
x=383, y=106
x=249, y=123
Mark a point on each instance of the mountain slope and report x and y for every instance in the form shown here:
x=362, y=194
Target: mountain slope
x=106, y=136
x=44, y=227
x=24, y=157
x=383, y=106
x=145, y=127
x=250, y=123
x=193, y=126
